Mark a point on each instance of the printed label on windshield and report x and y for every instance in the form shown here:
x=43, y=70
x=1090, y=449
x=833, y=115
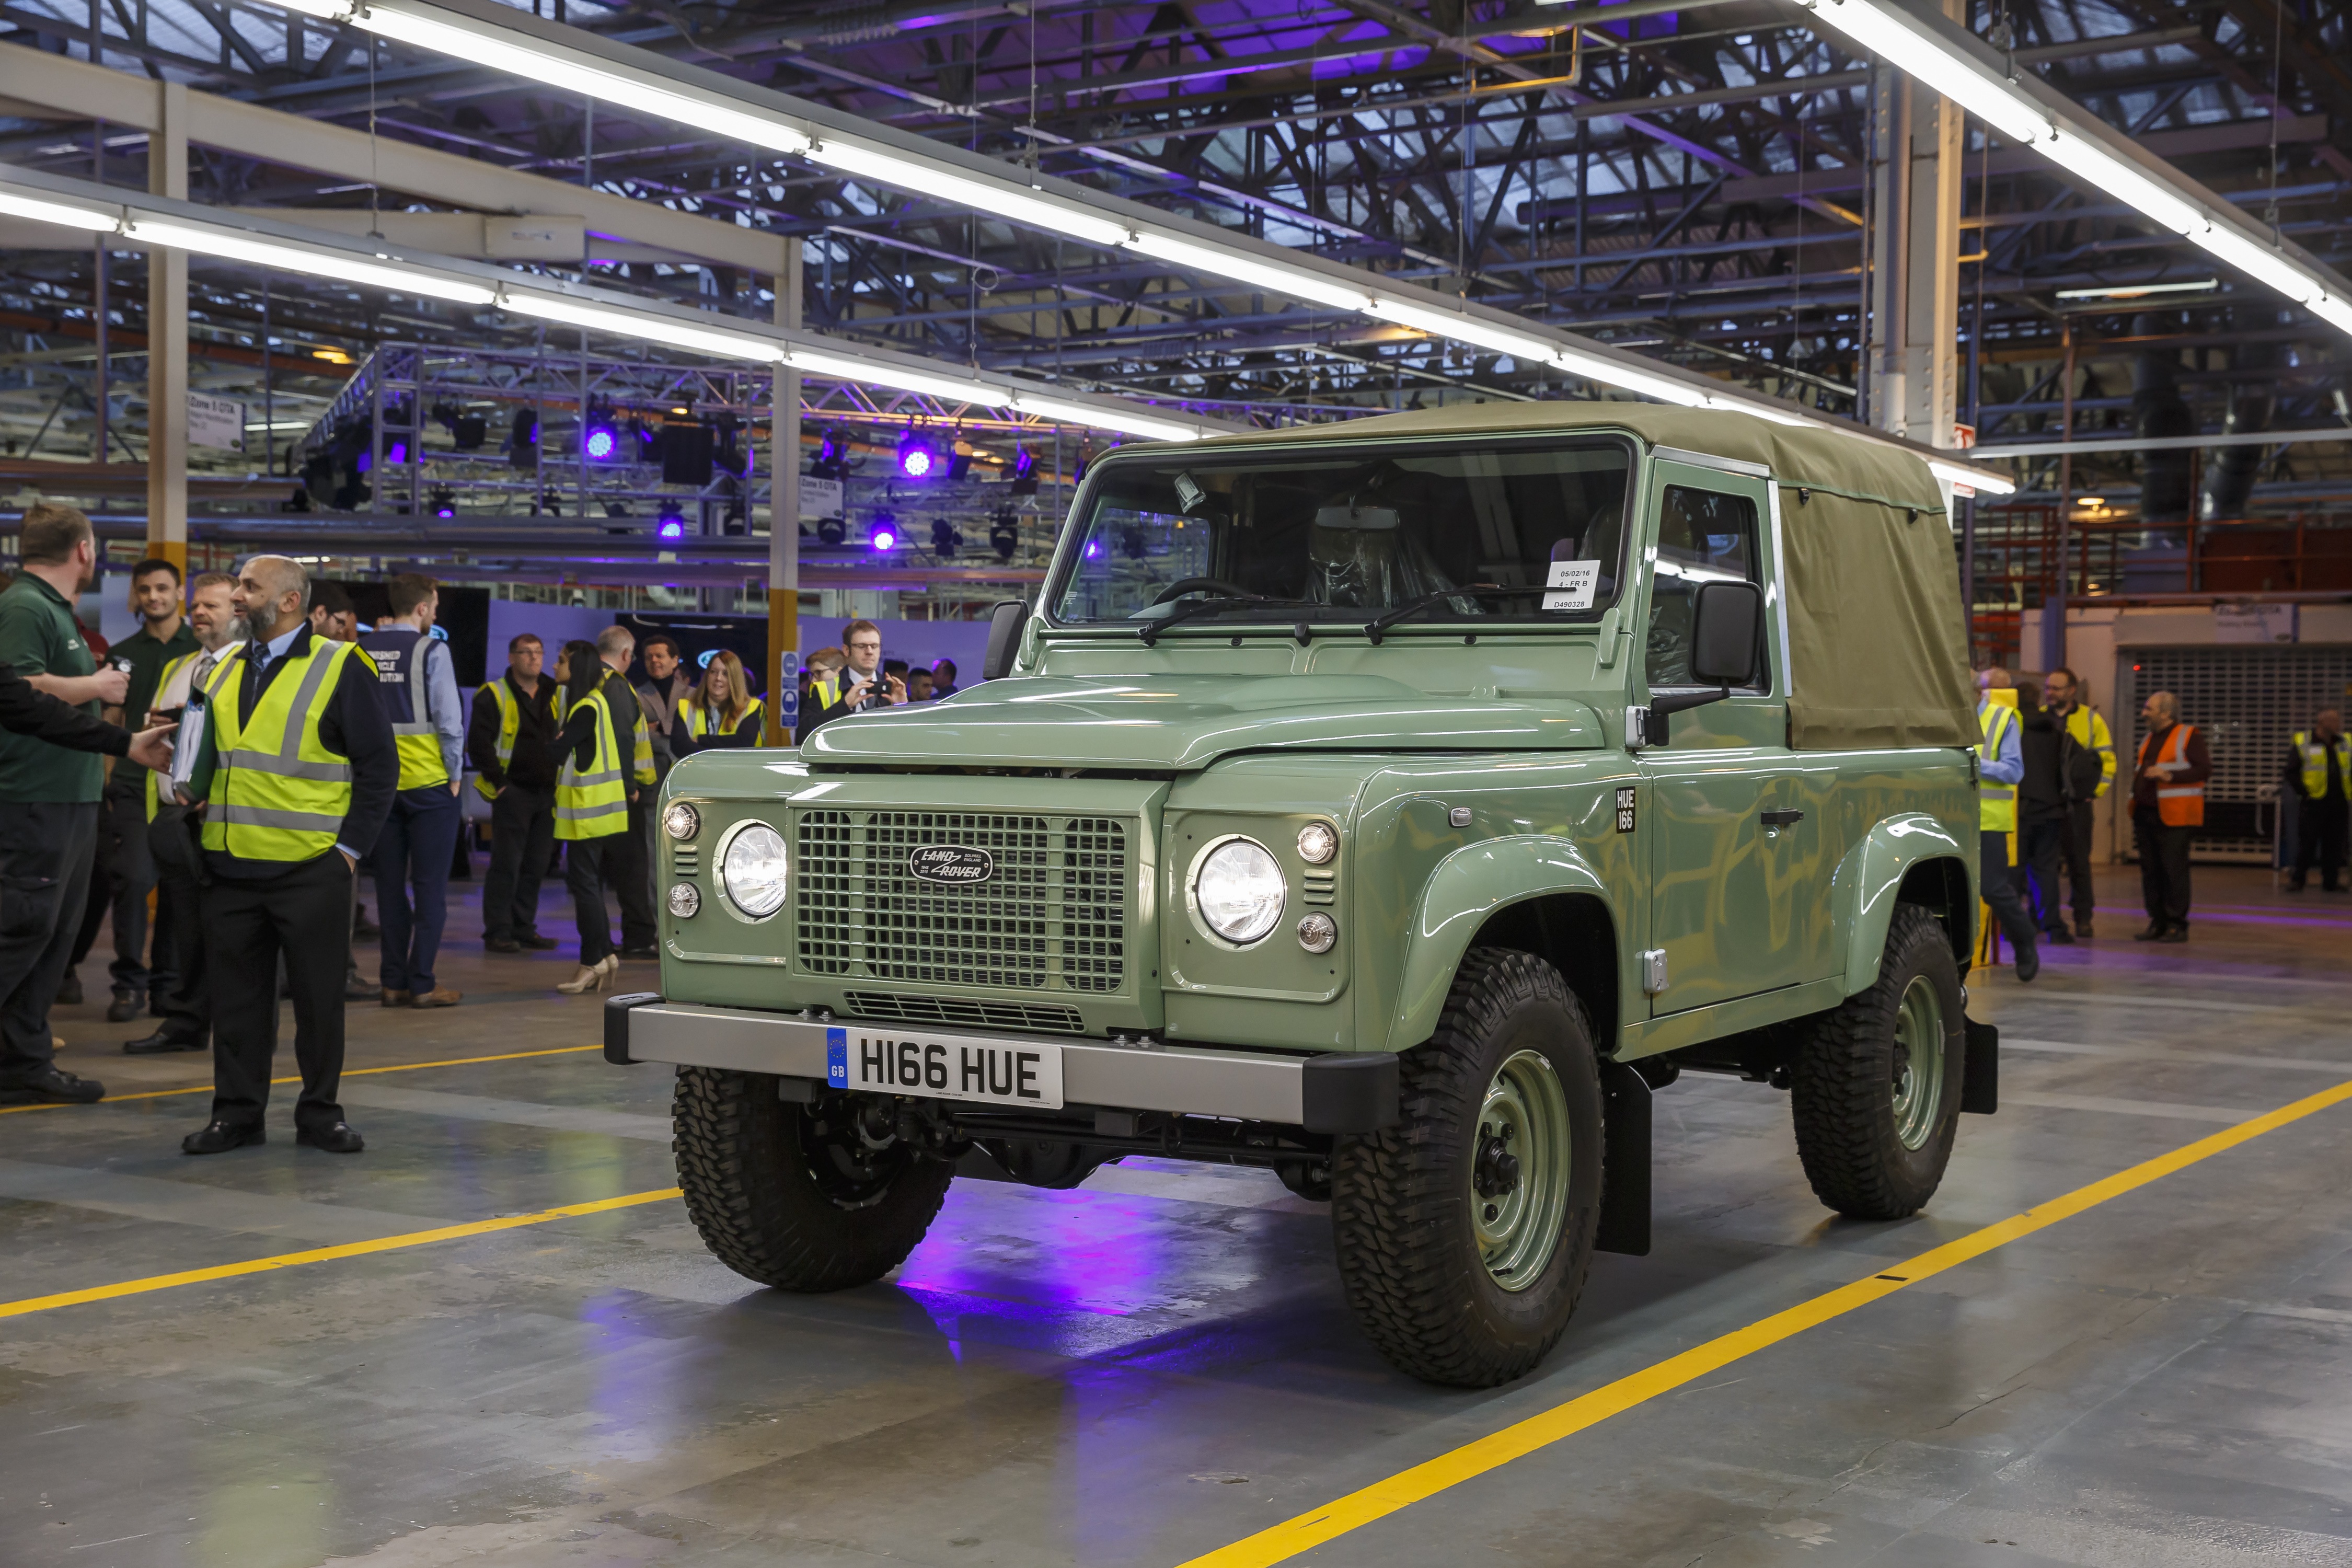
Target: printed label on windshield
x=1571, y=584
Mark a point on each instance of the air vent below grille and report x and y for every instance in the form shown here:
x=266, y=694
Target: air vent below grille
x=953, y=1010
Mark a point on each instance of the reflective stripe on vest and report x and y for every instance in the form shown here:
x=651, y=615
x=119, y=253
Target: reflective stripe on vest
x=595, y=803
x=278, y=793
x=163, y=683
x=698, y=722
x=2315, y=762
x=2177, y=804
x=420, y=747
x=510, y=725
x=1996, y=803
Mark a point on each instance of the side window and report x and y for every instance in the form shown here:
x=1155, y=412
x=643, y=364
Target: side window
x=1703, y=536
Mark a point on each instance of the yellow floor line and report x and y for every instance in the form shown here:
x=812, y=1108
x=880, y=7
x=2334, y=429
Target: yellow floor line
x=348, y=1072
x=324, y=1254
x=1358, y=1508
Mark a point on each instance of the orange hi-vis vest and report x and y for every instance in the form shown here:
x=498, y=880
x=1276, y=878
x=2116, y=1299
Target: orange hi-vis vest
x=2177, y=804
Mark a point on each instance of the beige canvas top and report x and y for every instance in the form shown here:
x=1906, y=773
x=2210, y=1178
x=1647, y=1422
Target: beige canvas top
x=1877, y=639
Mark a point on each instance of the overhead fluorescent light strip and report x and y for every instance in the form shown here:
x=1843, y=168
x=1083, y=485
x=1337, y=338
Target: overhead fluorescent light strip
x=1909, y=44
x=37, y=211
x=646, y=326
x=233, y=247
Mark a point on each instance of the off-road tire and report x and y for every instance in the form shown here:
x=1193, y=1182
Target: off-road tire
x=1843, y=1083
x=1400, y=1197
x=744, y=1162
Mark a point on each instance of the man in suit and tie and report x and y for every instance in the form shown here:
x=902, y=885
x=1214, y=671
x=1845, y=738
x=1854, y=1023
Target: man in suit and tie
x=298, y=775
x=187, y=1023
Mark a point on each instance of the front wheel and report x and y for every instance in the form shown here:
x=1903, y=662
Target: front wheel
x=1876, y=1090
x=1465, y=1232
x=803, y=1197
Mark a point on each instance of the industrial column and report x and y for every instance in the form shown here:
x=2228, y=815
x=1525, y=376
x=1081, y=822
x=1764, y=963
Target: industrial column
x=784, y=521
x=167, y=342
x=1914, y=295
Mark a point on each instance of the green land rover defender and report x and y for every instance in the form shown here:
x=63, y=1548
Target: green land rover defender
x=1396, y=804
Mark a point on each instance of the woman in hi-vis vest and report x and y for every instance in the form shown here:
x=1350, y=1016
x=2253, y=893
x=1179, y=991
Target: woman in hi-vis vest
x=722, y=712
x=592, y=807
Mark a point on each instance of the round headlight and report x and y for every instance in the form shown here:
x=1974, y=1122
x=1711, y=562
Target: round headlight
x=685, y=900
x=1317, y=842
x=1317, y=932
x=1238, y=890
x=681, y=821
x=753, y=871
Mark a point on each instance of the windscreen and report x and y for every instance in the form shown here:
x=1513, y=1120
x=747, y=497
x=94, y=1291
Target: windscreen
x=1520, y=530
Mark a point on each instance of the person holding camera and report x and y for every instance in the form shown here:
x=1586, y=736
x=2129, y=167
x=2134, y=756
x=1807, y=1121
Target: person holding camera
x=861, y=686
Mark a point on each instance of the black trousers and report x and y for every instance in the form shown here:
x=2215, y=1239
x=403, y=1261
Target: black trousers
x=2163, y=868
x=2077, y=847
x=2041, y=847
x=180, y=920
x=2000, y=890
x=305, y=914
x=44, y=866
x=587, y=871
x=522, y=841
x=629, y=872
x=2320, y=840
x=122, y=849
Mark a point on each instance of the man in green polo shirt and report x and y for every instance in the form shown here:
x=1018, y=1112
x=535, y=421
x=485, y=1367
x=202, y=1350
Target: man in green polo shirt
x=163, y=636
x=49, y=796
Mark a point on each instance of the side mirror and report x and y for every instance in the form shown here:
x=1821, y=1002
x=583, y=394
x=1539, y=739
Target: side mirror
x=1004, y=623
x=1727, y=627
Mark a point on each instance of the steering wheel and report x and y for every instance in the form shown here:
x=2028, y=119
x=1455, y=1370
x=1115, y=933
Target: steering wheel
x=1183, y=586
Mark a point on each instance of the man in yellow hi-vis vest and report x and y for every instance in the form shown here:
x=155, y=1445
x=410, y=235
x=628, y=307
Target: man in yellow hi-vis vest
x=513, y=744
x=2000, y=763
x=2319, y=775
x=297, y=771
x=630, y=871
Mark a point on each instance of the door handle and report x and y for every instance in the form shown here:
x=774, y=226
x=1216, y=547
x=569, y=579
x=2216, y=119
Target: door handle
x=1782, y=819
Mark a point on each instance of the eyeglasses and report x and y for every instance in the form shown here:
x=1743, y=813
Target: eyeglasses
x=874, y=646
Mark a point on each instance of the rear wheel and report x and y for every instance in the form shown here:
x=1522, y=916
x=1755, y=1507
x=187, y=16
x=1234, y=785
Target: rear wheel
x=1465, y=1231
x=1876, y=1087
x=803, y=1197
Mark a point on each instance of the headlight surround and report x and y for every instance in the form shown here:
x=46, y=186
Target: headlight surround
x=1237, y=890
x=681, y=821
x=751, y=872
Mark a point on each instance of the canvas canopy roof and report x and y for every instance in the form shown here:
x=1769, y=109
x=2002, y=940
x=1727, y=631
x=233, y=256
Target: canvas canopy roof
x=1877, y=639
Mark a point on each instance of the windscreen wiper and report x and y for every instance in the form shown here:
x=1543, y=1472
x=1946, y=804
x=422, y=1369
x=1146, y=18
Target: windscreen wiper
x=1192, y=609
x=1387, y=618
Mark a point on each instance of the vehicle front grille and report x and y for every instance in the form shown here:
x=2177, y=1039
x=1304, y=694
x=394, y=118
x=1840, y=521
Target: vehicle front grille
x=968, y=1011
x=1052, y=915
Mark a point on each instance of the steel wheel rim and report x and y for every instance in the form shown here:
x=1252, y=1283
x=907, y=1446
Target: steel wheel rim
x=1525, y=1116
x=1918, y=1063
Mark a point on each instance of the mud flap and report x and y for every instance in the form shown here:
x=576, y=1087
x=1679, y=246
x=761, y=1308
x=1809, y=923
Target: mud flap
x=1980, y=1069
x=1624, y=1162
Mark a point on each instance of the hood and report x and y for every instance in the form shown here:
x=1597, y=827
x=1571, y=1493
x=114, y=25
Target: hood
x=1184, y=722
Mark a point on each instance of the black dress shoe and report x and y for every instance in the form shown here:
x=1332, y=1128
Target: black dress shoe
x=2155, y=933
x=537, y=942
x=56, y=1083
x=2029, y=963
x=641, y=953
x=2082, y=931
x=160, y=1041
x=220, y=1137
x=123, y=1008
x=70, y=990
x=335, y=1138
x=2060, y=936
x=2179, y=932
x=501, y=944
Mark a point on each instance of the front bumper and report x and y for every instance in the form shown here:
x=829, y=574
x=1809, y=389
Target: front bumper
x=1338, y=1092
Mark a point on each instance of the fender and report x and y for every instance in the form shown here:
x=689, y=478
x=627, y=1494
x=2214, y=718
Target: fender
x=1467, y=887
x=1869, y=878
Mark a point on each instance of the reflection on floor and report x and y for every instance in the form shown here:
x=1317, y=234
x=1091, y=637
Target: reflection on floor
x=1143, y=1370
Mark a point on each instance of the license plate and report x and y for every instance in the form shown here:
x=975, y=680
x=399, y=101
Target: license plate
x=935, y=1066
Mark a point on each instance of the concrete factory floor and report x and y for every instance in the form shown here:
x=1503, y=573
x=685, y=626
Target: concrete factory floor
x=1160, y=1365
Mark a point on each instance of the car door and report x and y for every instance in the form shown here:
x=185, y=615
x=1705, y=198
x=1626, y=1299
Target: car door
x=1732, y=880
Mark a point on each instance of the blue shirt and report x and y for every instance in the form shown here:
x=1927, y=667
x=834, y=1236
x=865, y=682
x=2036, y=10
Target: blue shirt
x=2006, y=763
